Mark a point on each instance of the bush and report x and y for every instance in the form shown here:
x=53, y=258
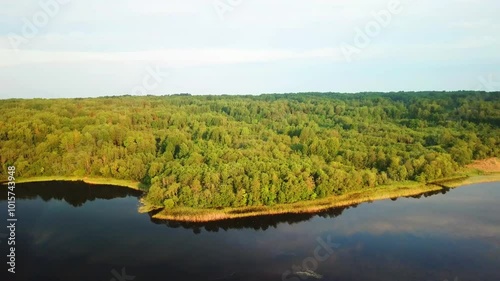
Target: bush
x=168, y=203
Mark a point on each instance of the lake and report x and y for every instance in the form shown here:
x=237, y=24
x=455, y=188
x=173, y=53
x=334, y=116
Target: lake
x=74, y=231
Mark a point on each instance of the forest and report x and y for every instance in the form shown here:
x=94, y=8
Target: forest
x=234, y=151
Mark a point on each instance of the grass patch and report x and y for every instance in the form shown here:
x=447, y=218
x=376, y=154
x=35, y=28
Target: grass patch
x=392, y=191
x=97, y=181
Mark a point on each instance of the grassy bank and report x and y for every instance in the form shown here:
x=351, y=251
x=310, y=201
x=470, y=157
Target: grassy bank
x=366, y=195
x=409, y=188
x=126, y=183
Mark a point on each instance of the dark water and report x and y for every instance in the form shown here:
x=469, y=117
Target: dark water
x=74, y=231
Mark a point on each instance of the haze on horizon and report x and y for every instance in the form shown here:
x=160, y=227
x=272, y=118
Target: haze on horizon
x=74, y=48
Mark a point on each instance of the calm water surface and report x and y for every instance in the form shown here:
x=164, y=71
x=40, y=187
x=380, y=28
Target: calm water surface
x=74, y=231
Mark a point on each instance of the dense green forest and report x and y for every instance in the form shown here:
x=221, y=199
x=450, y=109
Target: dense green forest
x=232, y=151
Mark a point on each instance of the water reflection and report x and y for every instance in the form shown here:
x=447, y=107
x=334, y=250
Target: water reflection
x=443, y=190
x=266, y=221
x=75, y=193
x=434, y=238
x=256, y=223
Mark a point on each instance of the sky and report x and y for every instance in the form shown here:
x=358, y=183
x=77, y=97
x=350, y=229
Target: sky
x=77, y=48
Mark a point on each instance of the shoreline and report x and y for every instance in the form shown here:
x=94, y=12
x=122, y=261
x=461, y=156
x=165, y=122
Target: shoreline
x=369, y=195
x=187, y=214
x=93, y=181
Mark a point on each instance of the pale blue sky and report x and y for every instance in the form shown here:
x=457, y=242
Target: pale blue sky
x=77, y=48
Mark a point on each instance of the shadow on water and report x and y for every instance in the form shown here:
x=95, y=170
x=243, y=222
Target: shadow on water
x=75, y=193
x=257, y=222
x=443, y=190
x=266, y=221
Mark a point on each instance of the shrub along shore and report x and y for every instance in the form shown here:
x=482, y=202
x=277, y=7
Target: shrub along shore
x=314, y=206
x=97, y=181
x=188, y=214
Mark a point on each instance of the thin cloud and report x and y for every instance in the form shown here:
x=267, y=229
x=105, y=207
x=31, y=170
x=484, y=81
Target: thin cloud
x=174, y=57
